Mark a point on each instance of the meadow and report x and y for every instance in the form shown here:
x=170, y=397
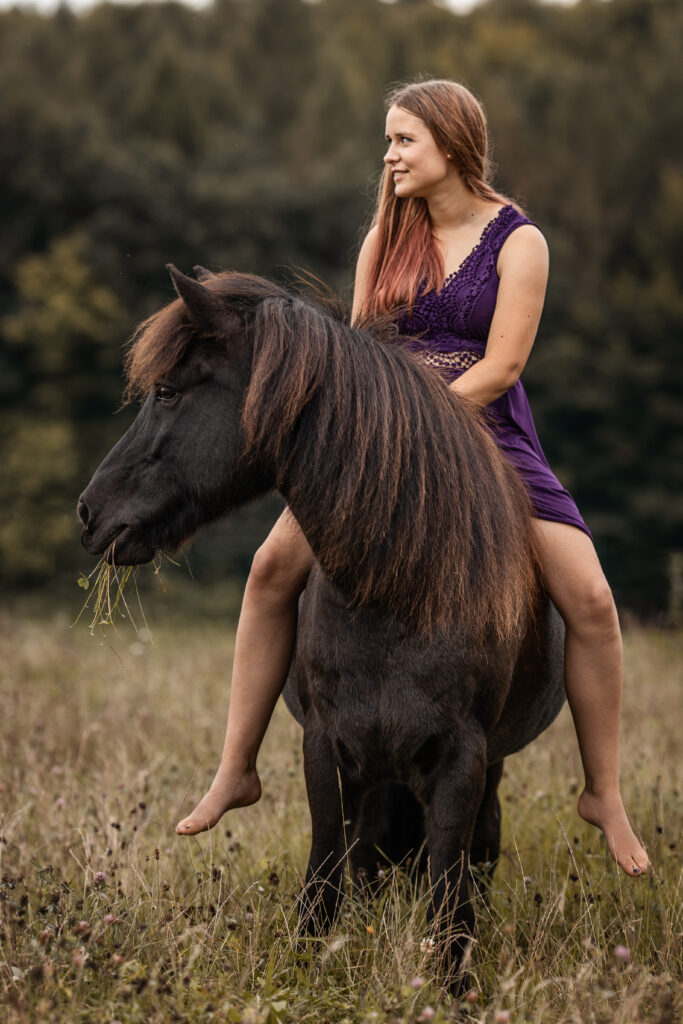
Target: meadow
x=106, y=915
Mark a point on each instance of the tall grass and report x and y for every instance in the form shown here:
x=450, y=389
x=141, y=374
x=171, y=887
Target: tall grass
x=106, y=915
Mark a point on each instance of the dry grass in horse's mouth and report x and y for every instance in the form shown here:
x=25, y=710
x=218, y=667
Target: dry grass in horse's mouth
x=107, y=590
x=110, y=601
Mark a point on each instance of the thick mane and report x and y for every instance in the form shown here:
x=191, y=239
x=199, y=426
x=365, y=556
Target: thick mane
x=402, y=494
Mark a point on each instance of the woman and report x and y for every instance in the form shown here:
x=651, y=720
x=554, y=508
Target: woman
x=472, y=271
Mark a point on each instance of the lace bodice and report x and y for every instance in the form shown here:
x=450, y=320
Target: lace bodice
x=453, y=322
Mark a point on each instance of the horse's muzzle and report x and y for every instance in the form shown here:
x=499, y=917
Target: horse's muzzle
x=120, y=543
x=125, y=547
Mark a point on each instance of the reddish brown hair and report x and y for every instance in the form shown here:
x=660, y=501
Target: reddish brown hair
x=406, y=254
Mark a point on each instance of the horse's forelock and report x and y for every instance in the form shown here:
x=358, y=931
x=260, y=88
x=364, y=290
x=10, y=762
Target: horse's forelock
x=158, y=344
x=161, y=341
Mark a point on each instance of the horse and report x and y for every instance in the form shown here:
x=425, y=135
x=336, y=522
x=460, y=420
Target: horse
x=427, y=650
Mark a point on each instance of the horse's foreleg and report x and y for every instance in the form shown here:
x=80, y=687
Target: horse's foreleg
x=486, y=840
x=321, y=896
x=450, y=819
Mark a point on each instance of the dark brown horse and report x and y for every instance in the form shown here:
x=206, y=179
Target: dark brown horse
x=426, y=653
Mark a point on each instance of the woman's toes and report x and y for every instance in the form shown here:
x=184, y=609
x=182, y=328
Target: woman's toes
x=189, y=827
x=641, y=865
x=634, y=864
x=201, y=820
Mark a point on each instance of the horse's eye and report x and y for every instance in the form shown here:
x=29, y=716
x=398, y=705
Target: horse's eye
x=164, y=393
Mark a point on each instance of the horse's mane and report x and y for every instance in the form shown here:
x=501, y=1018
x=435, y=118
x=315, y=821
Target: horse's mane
x=401, y=492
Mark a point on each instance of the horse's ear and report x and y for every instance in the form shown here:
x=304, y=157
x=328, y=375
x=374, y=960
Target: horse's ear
x=205, y=308
x=201, y=273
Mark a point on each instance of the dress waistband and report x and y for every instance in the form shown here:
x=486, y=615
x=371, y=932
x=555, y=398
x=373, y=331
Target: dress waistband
x=443, y=342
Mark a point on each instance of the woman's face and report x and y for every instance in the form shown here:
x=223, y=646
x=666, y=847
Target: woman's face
x=417, y=164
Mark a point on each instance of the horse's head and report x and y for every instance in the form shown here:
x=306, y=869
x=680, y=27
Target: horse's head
x=179, y=465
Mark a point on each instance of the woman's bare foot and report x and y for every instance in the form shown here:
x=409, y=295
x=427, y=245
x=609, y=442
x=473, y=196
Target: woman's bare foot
x=230, y=788
x=609, y=814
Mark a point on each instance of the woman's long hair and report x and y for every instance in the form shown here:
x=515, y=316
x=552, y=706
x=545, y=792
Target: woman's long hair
x=406, y=254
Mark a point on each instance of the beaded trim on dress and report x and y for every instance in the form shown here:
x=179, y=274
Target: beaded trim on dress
x=452, y=361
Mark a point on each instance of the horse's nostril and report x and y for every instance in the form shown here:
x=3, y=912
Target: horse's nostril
x=83, y=512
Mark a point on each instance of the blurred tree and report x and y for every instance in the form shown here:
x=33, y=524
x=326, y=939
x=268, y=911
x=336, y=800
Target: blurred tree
x=61, y=342
x=64, y=331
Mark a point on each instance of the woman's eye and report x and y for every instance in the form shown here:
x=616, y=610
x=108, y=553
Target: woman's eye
x=164, y=393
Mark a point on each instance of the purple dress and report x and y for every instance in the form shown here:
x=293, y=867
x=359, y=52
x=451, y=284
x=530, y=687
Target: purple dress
x=454, y=324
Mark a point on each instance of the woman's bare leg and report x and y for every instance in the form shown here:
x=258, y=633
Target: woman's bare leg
x=593, y=661
x=264, y=645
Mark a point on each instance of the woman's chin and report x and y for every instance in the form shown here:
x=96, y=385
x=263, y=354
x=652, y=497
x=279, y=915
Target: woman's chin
x=406, y=190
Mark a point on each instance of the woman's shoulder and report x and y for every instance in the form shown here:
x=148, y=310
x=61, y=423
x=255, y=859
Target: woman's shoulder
x=367, y=252
x=524, y=244
x=370, y=242
x=517, y=232
x=366, y=258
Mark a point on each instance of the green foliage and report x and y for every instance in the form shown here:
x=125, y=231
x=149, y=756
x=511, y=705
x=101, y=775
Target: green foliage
x=62, y=343
x=39, y=458
x=65, y=316
x=250, y=135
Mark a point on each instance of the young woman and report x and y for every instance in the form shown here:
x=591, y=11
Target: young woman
x=472, y=271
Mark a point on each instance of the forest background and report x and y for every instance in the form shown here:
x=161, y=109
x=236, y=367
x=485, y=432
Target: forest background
x=250, y=135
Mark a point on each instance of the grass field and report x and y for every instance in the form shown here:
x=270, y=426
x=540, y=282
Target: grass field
x=107, y=916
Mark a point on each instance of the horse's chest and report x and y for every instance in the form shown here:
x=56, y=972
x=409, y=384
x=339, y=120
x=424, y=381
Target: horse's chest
x=381, y=702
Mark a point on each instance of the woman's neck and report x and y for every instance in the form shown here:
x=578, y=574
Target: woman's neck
x=452, y=206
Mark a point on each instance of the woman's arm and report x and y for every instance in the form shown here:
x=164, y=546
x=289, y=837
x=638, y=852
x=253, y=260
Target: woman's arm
x=361, y=287
x=523, y=272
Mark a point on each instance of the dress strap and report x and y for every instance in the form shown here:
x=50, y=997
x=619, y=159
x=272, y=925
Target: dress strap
x=504, y=225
